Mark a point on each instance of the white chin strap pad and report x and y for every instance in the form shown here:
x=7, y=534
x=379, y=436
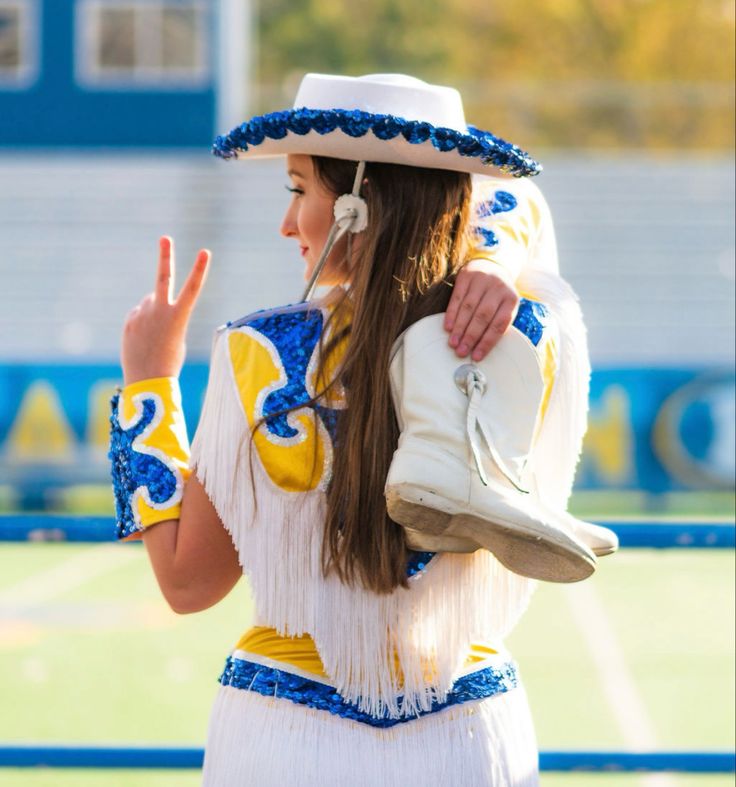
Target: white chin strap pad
x=353, y=207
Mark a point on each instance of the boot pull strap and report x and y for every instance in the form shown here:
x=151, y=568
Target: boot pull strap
x=472, y=382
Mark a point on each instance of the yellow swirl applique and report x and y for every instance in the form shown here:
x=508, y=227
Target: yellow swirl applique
x=272, y=358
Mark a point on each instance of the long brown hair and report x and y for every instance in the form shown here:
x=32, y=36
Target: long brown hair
x=401, y=272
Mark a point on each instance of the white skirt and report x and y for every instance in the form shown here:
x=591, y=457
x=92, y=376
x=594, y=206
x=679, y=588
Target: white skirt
x=273, y=742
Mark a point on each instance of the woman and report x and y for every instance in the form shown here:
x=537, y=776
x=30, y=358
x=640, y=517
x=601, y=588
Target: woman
x=369, y=663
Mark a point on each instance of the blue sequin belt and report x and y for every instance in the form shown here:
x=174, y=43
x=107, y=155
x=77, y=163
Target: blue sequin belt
x=272, y=682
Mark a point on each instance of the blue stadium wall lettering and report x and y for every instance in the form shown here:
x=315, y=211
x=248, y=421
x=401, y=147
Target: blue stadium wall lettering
x=652, y=429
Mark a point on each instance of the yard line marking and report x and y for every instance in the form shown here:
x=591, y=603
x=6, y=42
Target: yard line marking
x=67, y=575
x=618, y=684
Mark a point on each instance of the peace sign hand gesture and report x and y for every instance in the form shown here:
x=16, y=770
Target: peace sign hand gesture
x=154, y=334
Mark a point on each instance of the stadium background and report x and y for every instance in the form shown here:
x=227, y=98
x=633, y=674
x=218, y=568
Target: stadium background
x=106, y=112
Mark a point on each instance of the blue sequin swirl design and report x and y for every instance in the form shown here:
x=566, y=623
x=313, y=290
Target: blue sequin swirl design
x=489, y=237
x=132, y=470
x=531, y=318
x=294, y=334
x=491, y=150
x=502, y=202
x=271, y=682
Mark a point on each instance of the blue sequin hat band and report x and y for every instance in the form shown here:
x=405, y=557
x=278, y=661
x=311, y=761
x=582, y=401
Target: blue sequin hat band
x=390, y=118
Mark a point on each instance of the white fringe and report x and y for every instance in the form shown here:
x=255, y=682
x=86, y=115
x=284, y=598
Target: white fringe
x=557, y=450
x=459, y=600
x=271, y=742
x=220, y=447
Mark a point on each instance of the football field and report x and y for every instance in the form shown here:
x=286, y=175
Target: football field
x=639, y=657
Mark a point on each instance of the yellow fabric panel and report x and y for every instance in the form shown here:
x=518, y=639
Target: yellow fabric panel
x=336, y=323
x=548, y=363
x=479, y=653
x=549, y=370
x=295, y=464
x=514, y=230
x=301, y=652
x=152, y=516
x=536, y=213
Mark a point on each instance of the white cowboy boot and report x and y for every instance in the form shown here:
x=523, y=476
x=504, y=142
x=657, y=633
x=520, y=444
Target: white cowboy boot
x=601, y=541
x=457, y=477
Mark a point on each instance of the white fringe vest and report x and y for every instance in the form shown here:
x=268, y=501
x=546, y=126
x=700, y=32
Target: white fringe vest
x=392, y=653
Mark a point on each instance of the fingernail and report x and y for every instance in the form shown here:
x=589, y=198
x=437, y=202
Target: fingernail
x=463, y=349
x=453, y=341
x=477, y=355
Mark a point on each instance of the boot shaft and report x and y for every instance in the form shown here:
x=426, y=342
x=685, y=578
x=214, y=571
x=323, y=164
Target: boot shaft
x=428, y=385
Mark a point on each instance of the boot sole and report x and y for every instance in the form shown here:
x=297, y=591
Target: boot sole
x=522, y=552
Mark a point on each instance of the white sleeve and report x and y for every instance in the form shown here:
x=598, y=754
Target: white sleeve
x=513, y=225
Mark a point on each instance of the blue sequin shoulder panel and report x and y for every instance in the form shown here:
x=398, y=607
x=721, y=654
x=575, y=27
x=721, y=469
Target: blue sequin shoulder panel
x=294, y=331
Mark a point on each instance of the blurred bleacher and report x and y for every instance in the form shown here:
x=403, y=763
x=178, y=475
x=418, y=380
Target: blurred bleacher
x=646, y=241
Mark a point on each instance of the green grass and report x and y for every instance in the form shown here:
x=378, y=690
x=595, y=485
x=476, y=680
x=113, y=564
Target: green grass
x=108, y=661
x=673, y=614
x=105, y=661
x=638, y=504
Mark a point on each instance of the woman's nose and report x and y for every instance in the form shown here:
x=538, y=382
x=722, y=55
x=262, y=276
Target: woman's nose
x=288, y=223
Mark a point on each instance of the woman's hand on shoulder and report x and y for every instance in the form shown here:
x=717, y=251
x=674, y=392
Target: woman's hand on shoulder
x=481, y=308
x=154, y=334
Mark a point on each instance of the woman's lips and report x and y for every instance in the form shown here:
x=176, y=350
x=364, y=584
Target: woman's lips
x=303, y=250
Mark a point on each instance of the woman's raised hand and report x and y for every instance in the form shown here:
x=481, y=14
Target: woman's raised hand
x=154, y=334
x=481, y=308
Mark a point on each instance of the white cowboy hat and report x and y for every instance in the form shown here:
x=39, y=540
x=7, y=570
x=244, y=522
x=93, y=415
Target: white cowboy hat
x=390, y=118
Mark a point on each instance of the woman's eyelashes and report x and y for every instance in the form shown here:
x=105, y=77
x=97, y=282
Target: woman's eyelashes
x=294, y=190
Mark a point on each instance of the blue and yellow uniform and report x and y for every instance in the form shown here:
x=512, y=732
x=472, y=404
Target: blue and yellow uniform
x=333, y=681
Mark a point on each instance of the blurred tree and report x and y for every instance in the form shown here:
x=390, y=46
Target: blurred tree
x=643, y=73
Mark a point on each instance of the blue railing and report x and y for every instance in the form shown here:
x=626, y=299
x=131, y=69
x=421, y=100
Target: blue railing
x=145, y=757
x=646, y=534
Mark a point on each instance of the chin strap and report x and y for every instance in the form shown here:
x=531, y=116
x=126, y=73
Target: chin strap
x=351, y=215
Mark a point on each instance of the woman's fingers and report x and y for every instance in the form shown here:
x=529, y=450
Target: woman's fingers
x=476, y=323
x=480, y=310
x=164, y=290
x=165, y=275
x=498, y=326
x=459, y=291
x=487, y=324
x=193, y=285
